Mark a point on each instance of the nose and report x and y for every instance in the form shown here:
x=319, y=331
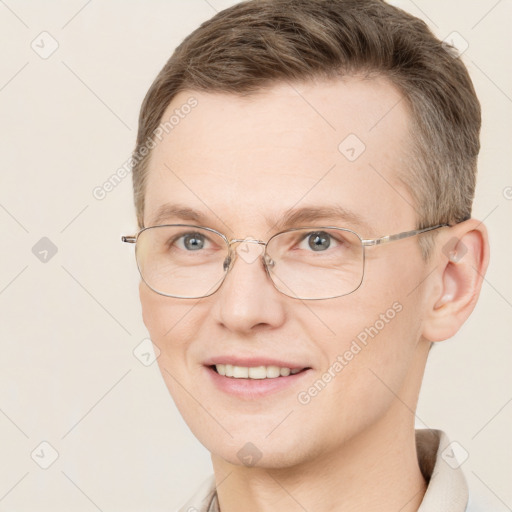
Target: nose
x=247, y=299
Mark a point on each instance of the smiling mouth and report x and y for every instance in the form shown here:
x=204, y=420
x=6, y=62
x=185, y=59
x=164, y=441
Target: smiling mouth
x=255, y=372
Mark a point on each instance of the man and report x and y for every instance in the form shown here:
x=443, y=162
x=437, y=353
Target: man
x=303, y=179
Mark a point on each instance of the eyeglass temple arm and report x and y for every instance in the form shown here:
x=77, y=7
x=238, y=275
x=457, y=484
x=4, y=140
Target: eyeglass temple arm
x=129, y=239
x=399, y=236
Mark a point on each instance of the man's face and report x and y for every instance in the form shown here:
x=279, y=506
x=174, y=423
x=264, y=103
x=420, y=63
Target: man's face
x=239, y=162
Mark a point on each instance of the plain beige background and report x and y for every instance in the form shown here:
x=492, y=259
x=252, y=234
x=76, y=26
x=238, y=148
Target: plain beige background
x=69, y=377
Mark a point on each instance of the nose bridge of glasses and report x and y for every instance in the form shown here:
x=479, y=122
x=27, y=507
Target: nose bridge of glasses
x=248, y=240
x=249, y=249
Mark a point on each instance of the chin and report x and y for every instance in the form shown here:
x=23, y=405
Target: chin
x=254, y=449
x=263, y=457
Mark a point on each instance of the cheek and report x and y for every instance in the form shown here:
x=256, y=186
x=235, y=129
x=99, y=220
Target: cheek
x=370, y=356
x=172, y=326
x=166, y=321
x=161, y=315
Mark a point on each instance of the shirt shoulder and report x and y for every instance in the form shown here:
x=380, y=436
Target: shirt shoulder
x=447, y=489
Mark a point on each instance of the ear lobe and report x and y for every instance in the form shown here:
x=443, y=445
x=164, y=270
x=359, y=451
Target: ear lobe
x=462, y=260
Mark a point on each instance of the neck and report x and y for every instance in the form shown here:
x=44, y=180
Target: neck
x=376, y=471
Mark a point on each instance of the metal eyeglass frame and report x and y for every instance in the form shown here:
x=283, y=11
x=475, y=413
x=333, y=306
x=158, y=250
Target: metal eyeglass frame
x=267, y=261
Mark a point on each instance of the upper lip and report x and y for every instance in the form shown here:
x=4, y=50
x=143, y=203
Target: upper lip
x=253, y=361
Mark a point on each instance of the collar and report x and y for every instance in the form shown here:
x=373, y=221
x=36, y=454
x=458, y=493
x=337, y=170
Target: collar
x=447, y=490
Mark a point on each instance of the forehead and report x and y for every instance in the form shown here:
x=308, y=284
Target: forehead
x=250, y=158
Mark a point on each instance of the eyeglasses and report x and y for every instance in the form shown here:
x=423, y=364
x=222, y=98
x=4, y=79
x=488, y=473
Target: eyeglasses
x=308, y=263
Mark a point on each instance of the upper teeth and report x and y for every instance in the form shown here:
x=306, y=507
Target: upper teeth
x=255, y=372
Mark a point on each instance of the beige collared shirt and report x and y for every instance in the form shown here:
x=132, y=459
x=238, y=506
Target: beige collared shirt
x=447, y=490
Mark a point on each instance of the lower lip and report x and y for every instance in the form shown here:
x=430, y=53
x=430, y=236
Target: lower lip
x=253, y=388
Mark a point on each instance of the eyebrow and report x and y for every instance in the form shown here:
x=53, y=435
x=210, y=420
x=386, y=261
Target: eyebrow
x=293, y=217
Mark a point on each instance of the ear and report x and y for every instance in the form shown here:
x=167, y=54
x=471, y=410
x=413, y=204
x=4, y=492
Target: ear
x=462, y=256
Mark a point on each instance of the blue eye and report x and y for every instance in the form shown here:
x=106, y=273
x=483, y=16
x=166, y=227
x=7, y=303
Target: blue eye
x=193, y=241
x=188, y=242
x=319, y=241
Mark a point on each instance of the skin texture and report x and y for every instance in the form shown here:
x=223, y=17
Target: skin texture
x=239, y=160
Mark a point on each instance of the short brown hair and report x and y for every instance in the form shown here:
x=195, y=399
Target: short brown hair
x=256, y=43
